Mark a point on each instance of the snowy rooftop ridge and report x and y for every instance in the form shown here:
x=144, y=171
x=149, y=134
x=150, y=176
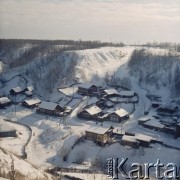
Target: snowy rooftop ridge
x=17, y=89
x=48, y=105
x=111, y=91
x=121, y=112
x=86, y=85
x=32, y=101
x=93, y=110
x=98, y=130
x=4, y=100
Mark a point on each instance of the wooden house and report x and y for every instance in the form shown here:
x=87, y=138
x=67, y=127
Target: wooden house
x=4, y=101
x=50, y=108
x=118, y=115
x=100, y=135
x=91, y=113
x=127, y=94
x=16, y=90
x=154, y=124
x=31, y=103
x=87, y=89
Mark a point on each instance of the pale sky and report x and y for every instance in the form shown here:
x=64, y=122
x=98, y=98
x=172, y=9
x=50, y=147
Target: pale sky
x=130, y=21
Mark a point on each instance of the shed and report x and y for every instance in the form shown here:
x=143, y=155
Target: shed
x=31, y=103
x=16, y=90
x=144, y=140
x=118, y=115
x=4, y=101
x=30, y=88
x=130, y=141
x=154, y=124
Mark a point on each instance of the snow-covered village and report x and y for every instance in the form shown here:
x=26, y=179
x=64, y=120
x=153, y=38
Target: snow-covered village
x=89, y=109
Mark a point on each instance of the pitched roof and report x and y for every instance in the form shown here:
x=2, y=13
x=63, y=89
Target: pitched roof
x=154, y=123
x=127, y=93
x=129, y=138
x=111, y=91
x=98, y=130
x=30, y=88
x=171, y=106
x=93, y=110
x=121, y=112
x=86, y=85
x=29, y=93
x=32, y=101
x=143, y=137
x=48, y=105
x=4, y=100
x=17, y=89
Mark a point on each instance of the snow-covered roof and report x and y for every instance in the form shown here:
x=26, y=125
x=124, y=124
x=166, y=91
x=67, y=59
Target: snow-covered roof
x=98, y=130
x=121, y=112
x=4, y=100
x=93, y=110
x=6, y=128
x=127, y=93
x=111, y=91
x=30, y=88
x=29, y=93
x=129, y=138
x=48, y=105
x=17, y=89
x=143, y=137
x=32, y=101
x=86, y=85
x=154, y=123
x=145, y=118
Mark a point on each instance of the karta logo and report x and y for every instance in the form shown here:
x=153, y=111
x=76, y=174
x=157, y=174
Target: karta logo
x=117, y=169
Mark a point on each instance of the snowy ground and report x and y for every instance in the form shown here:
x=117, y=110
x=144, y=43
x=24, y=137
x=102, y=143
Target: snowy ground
x=51, y=138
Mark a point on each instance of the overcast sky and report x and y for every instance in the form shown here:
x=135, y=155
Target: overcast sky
x=130, y=21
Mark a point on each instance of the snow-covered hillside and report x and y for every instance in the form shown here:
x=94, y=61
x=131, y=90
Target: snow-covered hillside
x=52, y=141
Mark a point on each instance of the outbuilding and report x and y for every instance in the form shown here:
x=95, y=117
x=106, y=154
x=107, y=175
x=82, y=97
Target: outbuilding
x=16, y=90
x=130, y=141
x=31, y=103
x=4, y=101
